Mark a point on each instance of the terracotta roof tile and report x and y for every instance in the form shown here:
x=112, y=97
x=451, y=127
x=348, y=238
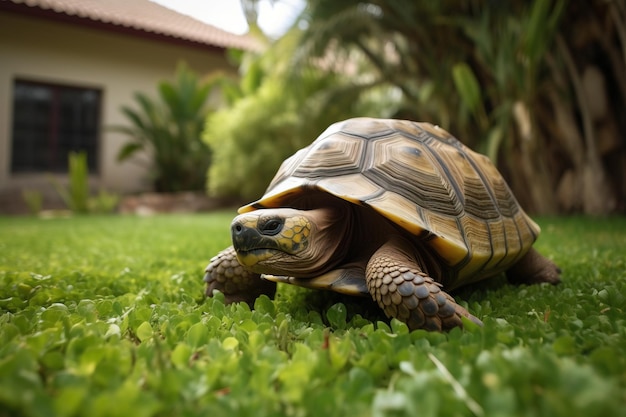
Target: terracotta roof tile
x=144, y=15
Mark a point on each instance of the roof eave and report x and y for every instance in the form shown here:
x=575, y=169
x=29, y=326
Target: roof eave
x=49, y=14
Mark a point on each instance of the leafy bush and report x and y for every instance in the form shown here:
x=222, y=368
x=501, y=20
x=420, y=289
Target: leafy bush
x=273, y=111
x=105, y=316
x=169, y=129
x=34, y=200
x=76, y=195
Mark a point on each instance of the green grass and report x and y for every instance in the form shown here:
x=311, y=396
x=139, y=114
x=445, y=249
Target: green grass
x=105, y=316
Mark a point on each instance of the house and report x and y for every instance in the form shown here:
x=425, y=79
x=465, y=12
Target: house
x=66, y=68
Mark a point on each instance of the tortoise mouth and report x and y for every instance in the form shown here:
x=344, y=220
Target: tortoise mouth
x=255, y=256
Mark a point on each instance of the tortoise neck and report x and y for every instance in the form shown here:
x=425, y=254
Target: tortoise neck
x=336, y=233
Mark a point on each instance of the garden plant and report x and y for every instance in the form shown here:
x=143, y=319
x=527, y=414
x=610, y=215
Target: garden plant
x=106, y=316
x=168, y=129
x=538, y=86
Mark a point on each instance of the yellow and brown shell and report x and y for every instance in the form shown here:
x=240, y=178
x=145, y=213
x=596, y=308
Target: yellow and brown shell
x=423, y=179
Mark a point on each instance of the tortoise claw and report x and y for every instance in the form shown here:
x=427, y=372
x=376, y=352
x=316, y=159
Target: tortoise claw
x=436, y=310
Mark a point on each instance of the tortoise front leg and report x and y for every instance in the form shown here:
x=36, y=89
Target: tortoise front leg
x=404, y=291
x=225, y=274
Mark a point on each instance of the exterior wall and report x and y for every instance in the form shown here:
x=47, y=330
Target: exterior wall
x=118, y=65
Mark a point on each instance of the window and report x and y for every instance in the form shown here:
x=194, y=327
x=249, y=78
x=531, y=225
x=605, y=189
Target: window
x=49, y=121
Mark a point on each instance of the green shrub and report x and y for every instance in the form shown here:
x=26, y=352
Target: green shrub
x=76, y=195
x=34, y=200
x=169, y=129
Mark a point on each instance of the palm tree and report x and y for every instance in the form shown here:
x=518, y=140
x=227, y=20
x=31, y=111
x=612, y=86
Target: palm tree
x=169, y=130
x=508, y=78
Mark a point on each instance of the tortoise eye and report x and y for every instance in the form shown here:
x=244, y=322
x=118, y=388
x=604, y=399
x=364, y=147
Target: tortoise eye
x=271, y=227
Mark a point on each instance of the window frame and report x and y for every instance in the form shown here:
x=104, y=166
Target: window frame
x=56, y=152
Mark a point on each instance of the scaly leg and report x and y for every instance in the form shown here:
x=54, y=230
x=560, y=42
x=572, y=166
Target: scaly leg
x=403, y=290
x=225, y=274
x=534, y=268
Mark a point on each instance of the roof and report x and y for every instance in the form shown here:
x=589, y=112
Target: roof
x=137, y=17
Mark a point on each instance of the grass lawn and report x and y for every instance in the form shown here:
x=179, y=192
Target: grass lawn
x=105, y=316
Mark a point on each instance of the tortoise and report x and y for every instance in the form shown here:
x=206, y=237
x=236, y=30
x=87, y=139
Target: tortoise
x=392, y=209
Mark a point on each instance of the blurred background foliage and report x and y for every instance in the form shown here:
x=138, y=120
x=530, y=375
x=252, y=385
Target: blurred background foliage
x=276, y=108
x=539, y=86
x=169, y=127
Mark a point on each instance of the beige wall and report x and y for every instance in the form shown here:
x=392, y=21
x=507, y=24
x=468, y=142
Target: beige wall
x=119, y=65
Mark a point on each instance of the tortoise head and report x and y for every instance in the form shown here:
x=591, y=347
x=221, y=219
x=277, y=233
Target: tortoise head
x=284, y=241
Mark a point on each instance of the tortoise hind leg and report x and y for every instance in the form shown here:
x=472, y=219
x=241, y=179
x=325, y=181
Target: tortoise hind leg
x=403, y=290
x=534, y=268
x=225, y=274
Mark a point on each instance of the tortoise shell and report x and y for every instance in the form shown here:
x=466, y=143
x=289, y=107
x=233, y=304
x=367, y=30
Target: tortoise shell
x=421, y=178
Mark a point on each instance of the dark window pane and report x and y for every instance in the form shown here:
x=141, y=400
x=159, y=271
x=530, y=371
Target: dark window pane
x=49, y=121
